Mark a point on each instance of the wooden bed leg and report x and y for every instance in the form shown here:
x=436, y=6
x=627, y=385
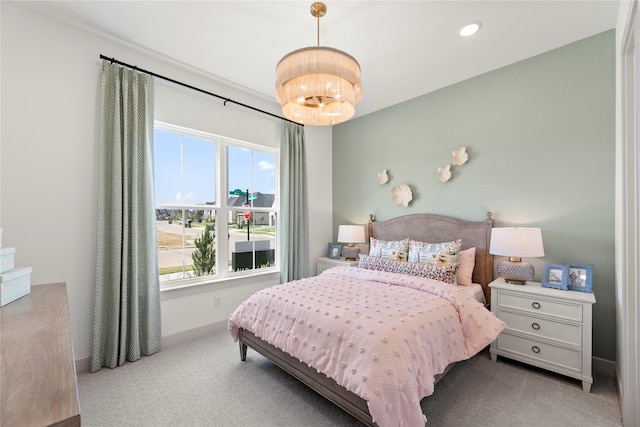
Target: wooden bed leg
x=243, y=351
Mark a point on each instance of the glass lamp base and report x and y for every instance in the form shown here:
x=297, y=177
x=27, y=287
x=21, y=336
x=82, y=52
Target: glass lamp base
x=516, y=273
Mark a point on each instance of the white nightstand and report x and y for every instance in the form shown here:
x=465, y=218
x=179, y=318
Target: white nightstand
x=325, y=262
x=547, y=328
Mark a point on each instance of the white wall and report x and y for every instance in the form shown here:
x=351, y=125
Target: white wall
x=627, y=199
x=50, y=99
x=0, y=123
x=320, y=183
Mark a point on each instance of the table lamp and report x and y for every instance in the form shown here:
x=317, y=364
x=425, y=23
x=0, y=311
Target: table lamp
x=516, y=243
x=351, y=234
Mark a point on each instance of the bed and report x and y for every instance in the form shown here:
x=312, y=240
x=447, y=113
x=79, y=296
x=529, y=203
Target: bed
x=374, y=393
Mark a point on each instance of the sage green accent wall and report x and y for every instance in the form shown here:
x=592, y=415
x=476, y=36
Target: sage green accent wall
x=540, y=136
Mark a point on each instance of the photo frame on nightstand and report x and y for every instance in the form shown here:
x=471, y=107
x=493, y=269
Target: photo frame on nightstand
x=333, y=251
x=580, y=277
x=555, y=276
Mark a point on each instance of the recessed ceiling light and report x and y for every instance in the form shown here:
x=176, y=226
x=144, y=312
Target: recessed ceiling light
x=470, y=29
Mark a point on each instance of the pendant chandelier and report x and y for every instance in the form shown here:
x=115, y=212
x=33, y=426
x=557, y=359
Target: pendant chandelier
x=318, y=85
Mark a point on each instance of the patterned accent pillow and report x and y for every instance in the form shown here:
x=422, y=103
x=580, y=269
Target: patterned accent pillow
x=442, y=272
x=392, y=249
x=434, y=253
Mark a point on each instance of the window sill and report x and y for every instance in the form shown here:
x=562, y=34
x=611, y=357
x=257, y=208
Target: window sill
x=216, y=280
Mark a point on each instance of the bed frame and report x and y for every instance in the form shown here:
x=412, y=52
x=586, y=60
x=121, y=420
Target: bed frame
x=421, y=227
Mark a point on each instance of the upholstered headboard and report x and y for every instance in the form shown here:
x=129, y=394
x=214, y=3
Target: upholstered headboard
x=438, y=228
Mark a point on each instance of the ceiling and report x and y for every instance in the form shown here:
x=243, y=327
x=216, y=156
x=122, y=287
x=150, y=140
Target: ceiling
x=405, y=48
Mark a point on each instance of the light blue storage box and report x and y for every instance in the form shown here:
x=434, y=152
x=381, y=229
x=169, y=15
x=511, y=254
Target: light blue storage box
x=14, y=284
x=6, y=259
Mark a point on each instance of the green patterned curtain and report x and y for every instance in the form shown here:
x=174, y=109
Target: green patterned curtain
x=294, y=213
x=127, y=294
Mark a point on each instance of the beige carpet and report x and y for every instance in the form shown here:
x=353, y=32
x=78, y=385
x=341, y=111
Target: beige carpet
x=202, y=382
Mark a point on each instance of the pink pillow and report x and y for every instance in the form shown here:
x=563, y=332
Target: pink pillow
x=467, y=261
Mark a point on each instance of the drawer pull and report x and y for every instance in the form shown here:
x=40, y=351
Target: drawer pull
x=535, y=326
x=535, y=305
x=535, y=349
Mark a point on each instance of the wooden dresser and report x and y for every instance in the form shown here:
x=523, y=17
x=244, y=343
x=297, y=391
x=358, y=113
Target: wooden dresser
x=38, y=376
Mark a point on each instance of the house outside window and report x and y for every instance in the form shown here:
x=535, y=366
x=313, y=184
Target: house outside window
x=217, y=206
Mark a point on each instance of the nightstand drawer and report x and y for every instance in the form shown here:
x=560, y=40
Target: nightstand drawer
x=536, y=305
x=540, y=352
x=561, y=332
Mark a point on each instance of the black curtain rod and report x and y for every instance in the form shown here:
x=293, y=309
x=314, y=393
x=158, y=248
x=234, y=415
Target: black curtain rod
x=151, y=73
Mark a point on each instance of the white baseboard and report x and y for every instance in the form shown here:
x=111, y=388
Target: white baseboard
x=83, y=365
x=200, y=332
x=603, y=366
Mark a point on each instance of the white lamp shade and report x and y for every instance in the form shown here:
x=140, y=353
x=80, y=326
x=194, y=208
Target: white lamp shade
x=351, y=234
x=516, y=242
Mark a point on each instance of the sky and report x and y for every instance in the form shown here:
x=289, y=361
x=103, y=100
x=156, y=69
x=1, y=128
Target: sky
x=248, y=169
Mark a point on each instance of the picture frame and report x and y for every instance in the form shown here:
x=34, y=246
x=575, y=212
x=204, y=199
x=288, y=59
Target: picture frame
x=333, y=250
x=556, y=276
x=580, y=277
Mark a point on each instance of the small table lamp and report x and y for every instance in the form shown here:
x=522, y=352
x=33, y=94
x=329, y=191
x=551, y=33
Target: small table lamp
x=351, y=234
x=516, y=243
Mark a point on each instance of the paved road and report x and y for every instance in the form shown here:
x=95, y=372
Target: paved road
x=174, y=257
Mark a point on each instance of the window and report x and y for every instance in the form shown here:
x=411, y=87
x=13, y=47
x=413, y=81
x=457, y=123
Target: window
x=216, y=206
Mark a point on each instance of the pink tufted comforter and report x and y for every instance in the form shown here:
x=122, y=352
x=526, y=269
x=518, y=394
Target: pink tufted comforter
x=383, y=336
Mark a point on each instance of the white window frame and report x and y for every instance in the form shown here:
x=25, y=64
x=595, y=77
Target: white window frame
x=222, y=209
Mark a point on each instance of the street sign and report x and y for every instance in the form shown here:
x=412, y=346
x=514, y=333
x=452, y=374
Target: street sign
x=247, y=215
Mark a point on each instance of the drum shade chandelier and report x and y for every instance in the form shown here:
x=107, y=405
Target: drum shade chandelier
x=318, y=85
